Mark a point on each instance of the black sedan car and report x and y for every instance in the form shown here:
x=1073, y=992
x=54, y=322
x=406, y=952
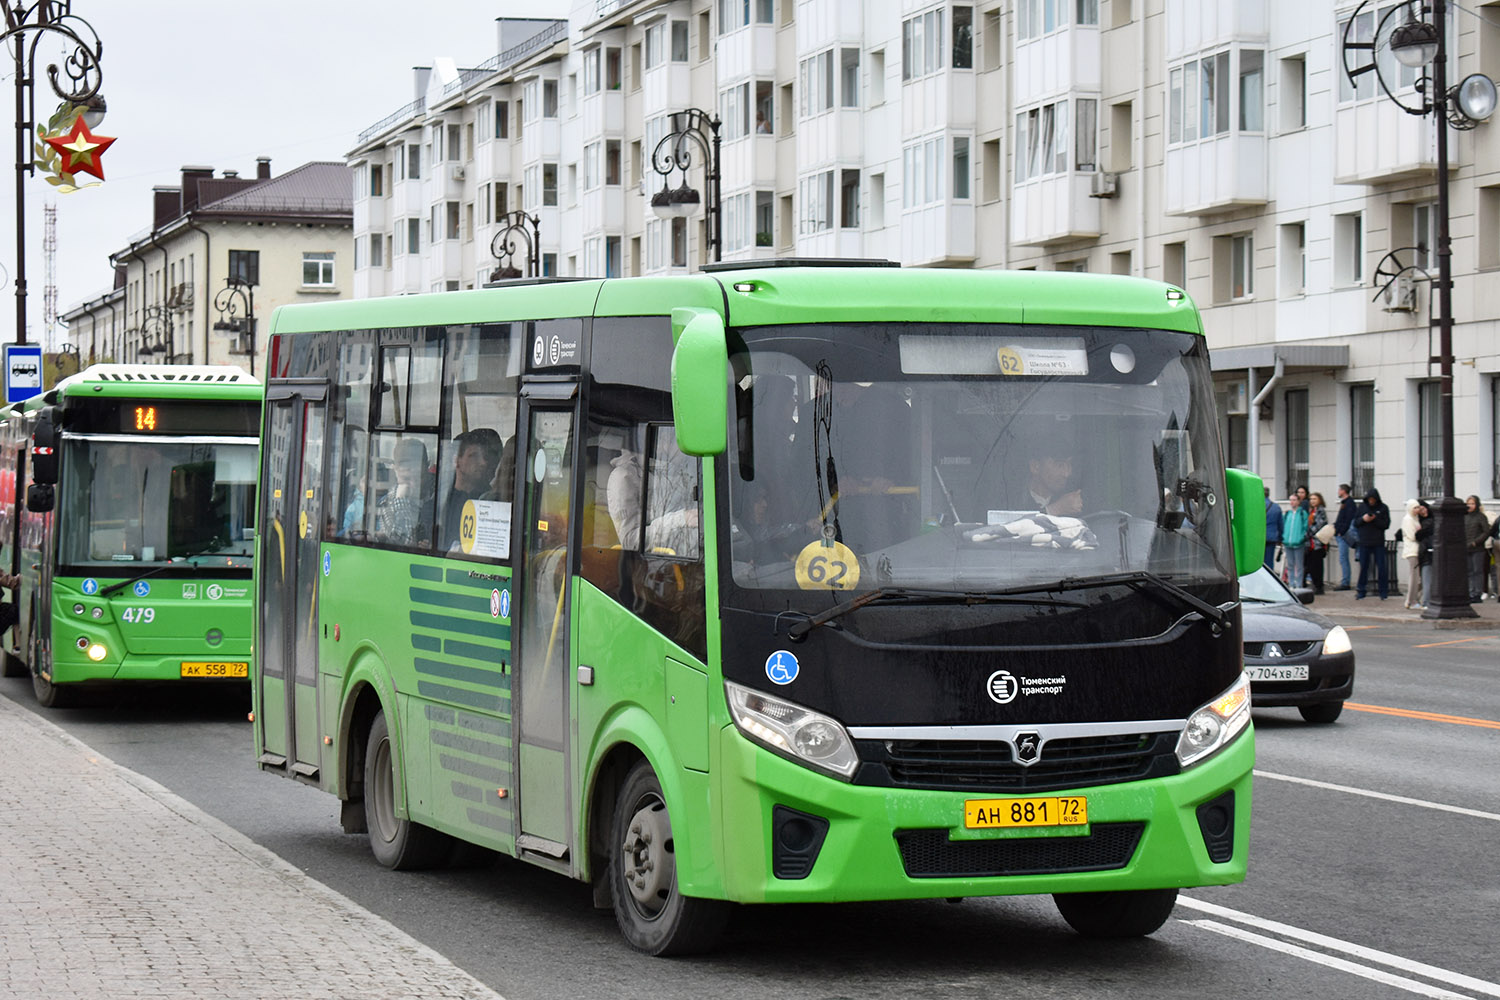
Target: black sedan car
x=1295, y=657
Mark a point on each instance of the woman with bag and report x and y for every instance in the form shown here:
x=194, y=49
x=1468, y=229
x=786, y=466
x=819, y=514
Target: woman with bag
x=1411, y=551
x=1476, y=527
x=1294, y=542
x=1319, y=534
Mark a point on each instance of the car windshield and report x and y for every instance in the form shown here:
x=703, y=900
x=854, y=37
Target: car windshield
x=1262, y=587
x=972, y=457
x=134, y=501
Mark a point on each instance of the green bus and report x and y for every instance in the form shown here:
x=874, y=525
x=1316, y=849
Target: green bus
x=766, y=584
x=127, y=494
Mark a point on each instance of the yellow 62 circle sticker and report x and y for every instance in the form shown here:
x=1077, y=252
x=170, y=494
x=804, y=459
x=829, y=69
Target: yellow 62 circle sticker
x=1011, y=362
x=468, y=525
x=827, y=566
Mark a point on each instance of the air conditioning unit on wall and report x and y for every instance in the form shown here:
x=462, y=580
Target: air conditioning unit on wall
x=1104, y=184
x=1401, y=294
x=458, y=172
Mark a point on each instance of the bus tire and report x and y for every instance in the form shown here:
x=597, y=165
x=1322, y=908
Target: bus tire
x=1132, y=913
x=399, y=844
x=50, y=695
x=654, y=917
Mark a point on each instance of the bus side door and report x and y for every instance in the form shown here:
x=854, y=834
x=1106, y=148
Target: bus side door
x=290, y=532
x=546, y=484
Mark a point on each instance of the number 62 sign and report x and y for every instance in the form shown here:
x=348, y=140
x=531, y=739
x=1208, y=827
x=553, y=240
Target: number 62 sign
x=827, y=566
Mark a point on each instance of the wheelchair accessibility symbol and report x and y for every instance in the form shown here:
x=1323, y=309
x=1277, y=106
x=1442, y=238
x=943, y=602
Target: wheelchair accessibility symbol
x=781, y=667
x=142, y=588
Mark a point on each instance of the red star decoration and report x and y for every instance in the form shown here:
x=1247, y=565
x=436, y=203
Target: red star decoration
x=82, y=149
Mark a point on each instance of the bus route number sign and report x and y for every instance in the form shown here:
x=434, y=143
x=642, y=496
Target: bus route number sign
x=826, y=566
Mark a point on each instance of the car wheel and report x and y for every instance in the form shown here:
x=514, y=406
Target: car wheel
x=1322, y=714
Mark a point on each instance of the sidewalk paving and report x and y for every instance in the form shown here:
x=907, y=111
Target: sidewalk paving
x=111, y=886
x=1342, y=604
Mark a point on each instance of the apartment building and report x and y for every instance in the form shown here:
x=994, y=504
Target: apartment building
x=1215, y=144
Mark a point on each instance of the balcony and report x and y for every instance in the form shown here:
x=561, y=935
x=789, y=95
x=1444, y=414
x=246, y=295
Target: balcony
x=1216, y=174
x=1375, y=142
x=1055, y=208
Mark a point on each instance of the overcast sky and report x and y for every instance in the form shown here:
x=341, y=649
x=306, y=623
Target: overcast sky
x=205, y=83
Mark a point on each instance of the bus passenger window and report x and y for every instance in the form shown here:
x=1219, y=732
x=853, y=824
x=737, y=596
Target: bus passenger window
x=404, y=505
x=476, y=455
x=672, y=500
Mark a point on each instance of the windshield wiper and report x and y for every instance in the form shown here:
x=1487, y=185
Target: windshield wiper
x=1136, y=579
x=908, y=595
x=208, y=549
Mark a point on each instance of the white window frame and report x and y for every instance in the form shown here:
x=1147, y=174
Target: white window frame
x=322, y=263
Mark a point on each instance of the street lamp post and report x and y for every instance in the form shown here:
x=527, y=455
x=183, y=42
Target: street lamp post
x=692, y=131
x=518, y=225
x=234, y=297
x=1418, y=42
x=24, y=29
x=155, y=330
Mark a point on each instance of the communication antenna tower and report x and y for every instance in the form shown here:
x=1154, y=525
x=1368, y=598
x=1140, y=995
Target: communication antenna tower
x=49, y=291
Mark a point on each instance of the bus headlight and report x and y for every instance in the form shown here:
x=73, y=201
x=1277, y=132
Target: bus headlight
x=97, y=652
x=805, y=736
x=1215, y=724
x=1337, y=641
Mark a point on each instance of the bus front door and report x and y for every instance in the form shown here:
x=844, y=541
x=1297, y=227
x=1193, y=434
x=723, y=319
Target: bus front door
x=540, y=685
x=290, y=532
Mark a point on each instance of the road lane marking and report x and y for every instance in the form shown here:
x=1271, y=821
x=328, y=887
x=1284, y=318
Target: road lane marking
x=1384, y=796
x=1358, y=628
x=1343, y=965
x=1455, y=979
x=1410, y=713
x=1451, y=642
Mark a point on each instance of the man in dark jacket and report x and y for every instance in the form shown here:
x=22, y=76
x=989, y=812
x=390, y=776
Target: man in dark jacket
x=1273, y=528
x=1347, y=505
x=1372, y=520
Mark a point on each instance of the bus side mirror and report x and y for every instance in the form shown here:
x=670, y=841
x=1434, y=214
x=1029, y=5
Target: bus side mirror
x=700, y=377
x=44, y=447
x=1247, y=522
x=40, y=498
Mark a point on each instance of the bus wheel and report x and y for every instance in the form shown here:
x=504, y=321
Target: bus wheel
x=397, y=843
x=49, y=695
x=653, y=915
x=1134, y=913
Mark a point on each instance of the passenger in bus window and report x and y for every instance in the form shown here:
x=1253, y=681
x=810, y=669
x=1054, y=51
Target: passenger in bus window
x=503, y=482
x=405, y=511
x=474, y=464
x=622, y=494
x=1049, y=482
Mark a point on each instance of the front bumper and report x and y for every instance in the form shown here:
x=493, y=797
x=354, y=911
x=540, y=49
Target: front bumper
x=875, y=834
x=1329, y=679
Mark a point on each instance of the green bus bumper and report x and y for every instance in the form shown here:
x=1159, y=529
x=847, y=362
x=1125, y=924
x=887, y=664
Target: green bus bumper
x=70, y=666
x=861, y=859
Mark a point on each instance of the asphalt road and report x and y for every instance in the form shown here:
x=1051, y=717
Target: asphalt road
x=1372, y=868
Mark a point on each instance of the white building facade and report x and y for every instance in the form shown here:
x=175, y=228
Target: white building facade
x=1214, y=144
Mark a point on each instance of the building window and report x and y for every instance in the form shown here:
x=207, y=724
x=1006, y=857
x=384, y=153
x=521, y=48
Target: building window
x=923, y=166
x=612, y=162
x=1362, y=438
x=849, y=199
x=816, y=77
x=413, y=162
x=1086, y=135
x=455, y=142
x=736, y=222
x=244, y=267
x=1174, y=264
x=1201, y=96
x=1429, y=439
x=1349, y=249
x=679, y=41
x=1241, y=266
x=764, y=216
x=549, y=184
x=502, y=119
x=591, y=166
x=1042, y=141
x=656, y=44
x=963, y=37
x=413, y=235
x=317, y=270
x=679, y=243
x=734, y=112
x=1251, y=97
x=1035, y=18
x=377, y=250
x=1401, y=77
x=733, y=15
x=922, y=45
x=451, y=215
x=377, y=181
x=1297, y=444
x=1293, y=260
x=1424, y=234
x=1292, y=100
x=961, y=168
x=815, y=194
x=591, y=75
x=849, y=78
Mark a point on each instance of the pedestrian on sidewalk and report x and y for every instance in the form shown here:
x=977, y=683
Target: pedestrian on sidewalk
x=1294, y=542
x=1424, y=557
x=1319, y=532
x=1476, y=528
x=1493, y=544
x=1411, y=551
x=1273, y=529
x=1371, y=523
x=1343, y=530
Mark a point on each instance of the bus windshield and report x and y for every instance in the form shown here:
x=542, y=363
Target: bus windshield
x=964, y=458
x=139, y=501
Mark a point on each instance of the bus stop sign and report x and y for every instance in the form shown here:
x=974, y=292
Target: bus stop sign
x=23, y=371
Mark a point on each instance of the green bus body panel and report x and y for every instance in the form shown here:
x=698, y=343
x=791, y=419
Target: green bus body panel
x=216, y=391
x=659, y=296
x=860, y=860
x=419, y=629
x=183, y=616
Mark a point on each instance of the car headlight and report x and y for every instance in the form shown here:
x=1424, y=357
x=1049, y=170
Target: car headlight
x=1337, y=641
x=792, y=731
x=1216, y=724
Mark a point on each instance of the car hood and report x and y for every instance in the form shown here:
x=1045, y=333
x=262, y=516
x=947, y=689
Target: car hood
x=1263, y=622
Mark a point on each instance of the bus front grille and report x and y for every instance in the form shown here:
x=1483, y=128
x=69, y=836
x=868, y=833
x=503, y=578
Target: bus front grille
x=990, y=766
x=931, y=854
